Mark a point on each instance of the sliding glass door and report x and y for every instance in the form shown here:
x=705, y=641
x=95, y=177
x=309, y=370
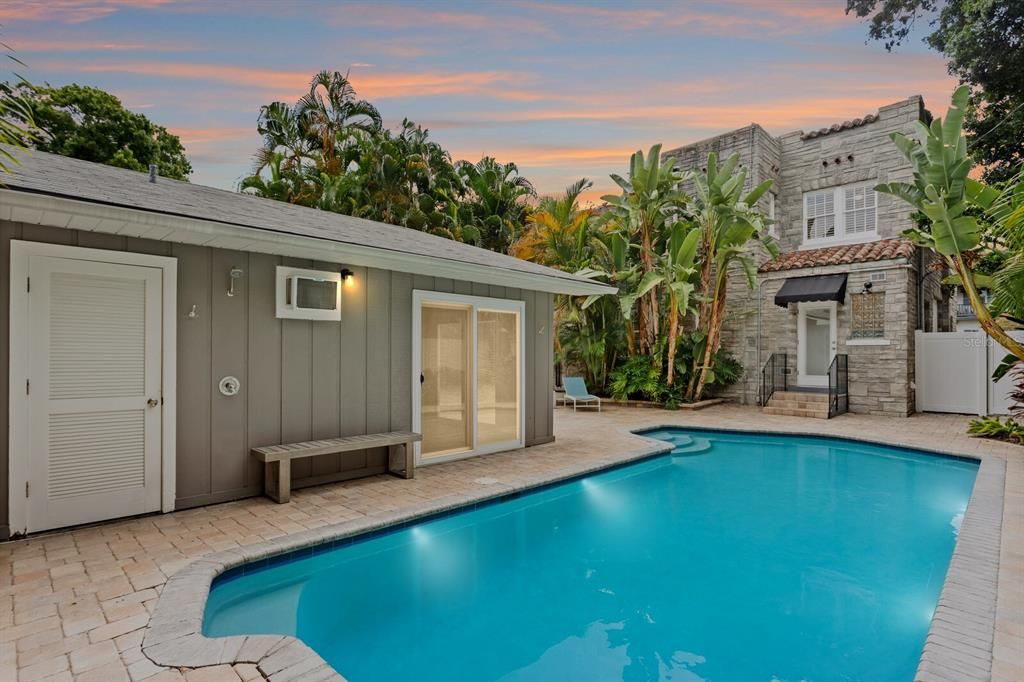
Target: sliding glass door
x=446, y=370
x=468, y=382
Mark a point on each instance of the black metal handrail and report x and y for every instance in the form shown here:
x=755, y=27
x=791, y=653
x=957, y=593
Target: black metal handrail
x=774, y=377
x=838, y=385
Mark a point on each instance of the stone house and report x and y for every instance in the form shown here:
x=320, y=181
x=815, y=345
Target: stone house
x=847, y=290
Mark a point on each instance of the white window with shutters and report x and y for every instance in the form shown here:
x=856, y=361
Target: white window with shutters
x=840, y=215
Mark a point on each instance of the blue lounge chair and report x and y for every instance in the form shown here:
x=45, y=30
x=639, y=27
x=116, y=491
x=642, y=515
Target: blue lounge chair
x=576, y=391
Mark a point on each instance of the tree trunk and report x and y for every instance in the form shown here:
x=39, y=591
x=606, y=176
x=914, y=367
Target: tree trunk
x=673, y=330
x=704, y=314
x=648, y=302
x=997, y=333
x=714, y=338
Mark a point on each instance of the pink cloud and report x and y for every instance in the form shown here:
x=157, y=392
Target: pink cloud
x=389, y=16
x=725, y=17
x=70, y=11
x=94, y=45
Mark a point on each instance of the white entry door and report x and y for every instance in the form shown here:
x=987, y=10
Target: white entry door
x=94, y=389
x=816, y=342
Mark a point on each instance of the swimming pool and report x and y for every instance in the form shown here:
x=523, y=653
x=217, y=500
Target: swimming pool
x=737, y=557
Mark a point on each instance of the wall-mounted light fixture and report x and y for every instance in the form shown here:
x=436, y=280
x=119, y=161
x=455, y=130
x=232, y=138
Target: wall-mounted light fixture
x=348, y=277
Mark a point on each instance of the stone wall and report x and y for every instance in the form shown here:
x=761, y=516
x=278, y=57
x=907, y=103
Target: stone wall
x=881, y=372
x=861, y=154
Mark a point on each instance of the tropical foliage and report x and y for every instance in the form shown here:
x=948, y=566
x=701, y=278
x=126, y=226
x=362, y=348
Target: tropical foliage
x=994, y=427
x=669, y=253
x=949, y=198
x=331, y=151
x=16, y=120
x=91, y=124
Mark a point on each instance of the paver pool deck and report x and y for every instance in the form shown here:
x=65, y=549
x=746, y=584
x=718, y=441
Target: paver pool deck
x=77, y=604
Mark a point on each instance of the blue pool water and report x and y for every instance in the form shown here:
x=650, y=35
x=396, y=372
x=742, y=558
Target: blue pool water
x=740, y=557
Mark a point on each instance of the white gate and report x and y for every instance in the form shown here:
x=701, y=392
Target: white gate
x=954, y=370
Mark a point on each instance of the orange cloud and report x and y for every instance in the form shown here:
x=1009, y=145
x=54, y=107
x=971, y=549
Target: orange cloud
x=781, y=114
x=373, y=86
x=551, y=155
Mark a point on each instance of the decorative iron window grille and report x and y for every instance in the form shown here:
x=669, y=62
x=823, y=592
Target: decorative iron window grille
x=868, y=316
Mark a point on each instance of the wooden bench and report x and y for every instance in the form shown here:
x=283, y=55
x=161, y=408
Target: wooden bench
x=277, y=459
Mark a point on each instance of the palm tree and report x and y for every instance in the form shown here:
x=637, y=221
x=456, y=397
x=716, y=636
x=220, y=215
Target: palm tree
x=330, y=112
x=555, y=229
x=16, y=119
x=283, y=135
x=729, y=223
x=497, y=196
x=649, y=203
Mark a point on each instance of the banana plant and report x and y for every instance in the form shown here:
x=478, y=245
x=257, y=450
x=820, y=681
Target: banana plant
x=943, y=191
x=729, y=224
x=650, y=202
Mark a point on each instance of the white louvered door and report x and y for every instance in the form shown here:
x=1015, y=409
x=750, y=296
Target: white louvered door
x=95, y=391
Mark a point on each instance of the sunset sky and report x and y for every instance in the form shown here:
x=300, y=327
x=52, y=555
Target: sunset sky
x=563, y=89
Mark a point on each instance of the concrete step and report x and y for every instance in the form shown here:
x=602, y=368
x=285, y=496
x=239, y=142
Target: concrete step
x=801, y=396
x=815, y=412
x=792, y=400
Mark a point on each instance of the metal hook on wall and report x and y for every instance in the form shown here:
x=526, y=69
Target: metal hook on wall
x=234, y=274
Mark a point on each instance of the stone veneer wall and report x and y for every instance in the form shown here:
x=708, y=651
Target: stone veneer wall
x=881, y=376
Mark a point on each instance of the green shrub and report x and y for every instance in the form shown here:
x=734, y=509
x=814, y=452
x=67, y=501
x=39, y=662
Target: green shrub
x=638, y=378
x=642, y=377
x=993, y=427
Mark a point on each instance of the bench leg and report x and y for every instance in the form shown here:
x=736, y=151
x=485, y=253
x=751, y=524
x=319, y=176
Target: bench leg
x=400, y=460
x=410, y=464
x=277, y=481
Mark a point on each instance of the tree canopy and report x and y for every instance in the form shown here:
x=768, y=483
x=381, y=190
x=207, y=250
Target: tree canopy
x=983, y=41
x=331, y=151
x=90, y=124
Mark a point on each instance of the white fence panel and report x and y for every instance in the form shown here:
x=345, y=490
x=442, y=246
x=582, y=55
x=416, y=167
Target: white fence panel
x=998, y=392
x=954, y=370
x=950, y=372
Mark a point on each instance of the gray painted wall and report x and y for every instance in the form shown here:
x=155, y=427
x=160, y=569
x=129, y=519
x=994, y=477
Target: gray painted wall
x=301, y=379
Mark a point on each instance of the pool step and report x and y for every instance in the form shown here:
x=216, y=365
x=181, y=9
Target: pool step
x=695, y=447
x=680, y=439
x=798, y=404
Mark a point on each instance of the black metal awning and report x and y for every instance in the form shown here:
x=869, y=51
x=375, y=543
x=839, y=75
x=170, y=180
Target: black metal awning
x=813, y=288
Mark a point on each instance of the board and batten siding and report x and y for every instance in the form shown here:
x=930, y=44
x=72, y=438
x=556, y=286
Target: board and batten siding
x=301, y=379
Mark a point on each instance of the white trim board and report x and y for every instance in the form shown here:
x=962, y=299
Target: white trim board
x=419, y=297
x=40, y=209
x=19, y=363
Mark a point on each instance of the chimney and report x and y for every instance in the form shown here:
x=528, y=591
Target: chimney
x=152, y=172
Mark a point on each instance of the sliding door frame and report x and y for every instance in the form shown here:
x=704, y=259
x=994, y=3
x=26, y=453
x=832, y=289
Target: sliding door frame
x=475, y=304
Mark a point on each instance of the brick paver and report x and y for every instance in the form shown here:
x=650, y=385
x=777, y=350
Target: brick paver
x=74, y=604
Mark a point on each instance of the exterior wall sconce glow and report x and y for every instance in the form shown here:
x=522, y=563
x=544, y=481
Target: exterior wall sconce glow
x=348, y=277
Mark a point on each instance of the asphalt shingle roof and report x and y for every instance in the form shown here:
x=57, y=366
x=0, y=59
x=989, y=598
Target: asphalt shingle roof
x=50, y=174
x=884, y=249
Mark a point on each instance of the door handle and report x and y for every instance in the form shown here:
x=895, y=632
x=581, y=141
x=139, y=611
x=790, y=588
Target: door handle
x=152, y=402
x=422, y=378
